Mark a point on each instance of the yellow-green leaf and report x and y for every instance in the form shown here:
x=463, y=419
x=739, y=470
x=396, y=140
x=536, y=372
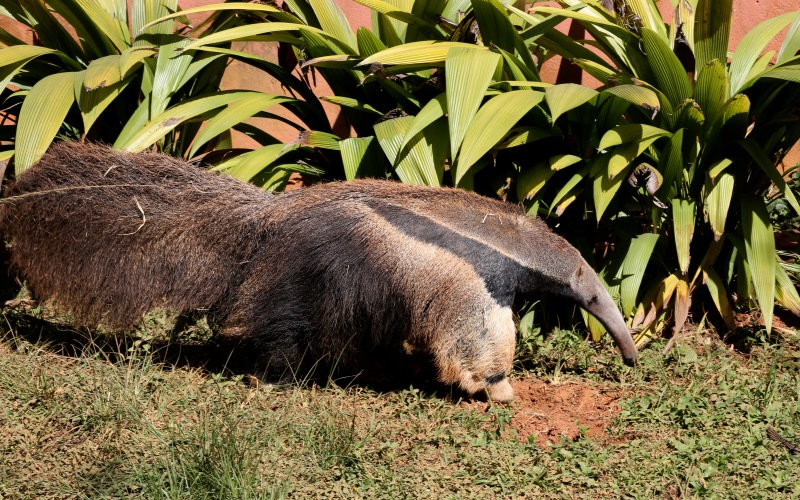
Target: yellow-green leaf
x=349, y=102
x=633, y=268
x=249, y=32
x=760, y=249
x=630, y=133
x=102, y=73
x=712, y=28
x=718, y=202
x=560, y=162
x=668, y=71
x=433, y=110
x=605, y=188
x=216, y=7
x=762, y=160
x=333, y=21
x=532, y=179
x=491, y=123
x=785, y=291
x=176, y=115
x=425, y=52
x=469, y=72
x=42, y=113
x=566, y=96
x=751, y=46
x=237, y=112
x=519, y=136
x=719, y=294
x=637, y=95
x=683, y=217
x=359, y=154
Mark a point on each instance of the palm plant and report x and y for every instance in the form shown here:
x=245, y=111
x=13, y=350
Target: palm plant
x=666, y=165
x=128, y=82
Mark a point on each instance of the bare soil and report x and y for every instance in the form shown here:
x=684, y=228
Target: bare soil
x=549, y=411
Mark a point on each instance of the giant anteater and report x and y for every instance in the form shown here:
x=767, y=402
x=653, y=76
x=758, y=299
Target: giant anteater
x=322, y=271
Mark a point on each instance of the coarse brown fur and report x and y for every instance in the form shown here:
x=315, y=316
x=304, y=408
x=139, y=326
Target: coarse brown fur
x=324, y=271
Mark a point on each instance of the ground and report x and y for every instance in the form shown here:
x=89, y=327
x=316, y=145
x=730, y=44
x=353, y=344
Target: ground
x=88, y=417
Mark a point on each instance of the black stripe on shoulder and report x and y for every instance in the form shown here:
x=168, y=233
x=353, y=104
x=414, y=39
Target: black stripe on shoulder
x=500, y=273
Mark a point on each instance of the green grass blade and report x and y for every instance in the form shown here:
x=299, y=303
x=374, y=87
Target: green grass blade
x=237, y=112
x=712, y=31
x=683, y=219
x=43, y=111
x=668, y=71
x=760, y=251
x=566, y=96
x=469, y=72
x=751, y=46
x=491, y=123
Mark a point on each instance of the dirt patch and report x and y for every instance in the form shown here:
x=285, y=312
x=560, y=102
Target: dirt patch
x=548, y=411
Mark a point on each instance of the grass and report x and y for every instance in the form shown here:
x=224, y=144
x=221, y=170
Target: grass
x=98, y=420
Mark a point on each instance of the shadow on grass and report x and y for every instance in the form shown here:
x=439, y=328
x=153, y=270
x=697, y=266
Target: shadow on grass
x=379, y=370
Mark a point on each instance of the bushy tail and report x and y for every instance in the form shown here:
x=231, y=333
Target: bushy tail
x=111, y=235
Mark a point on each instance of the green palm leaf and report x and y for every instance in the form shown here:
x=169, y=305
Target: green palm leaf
x=43, y=111
x=237, y=112
x=491, y=123
x=751, y=46
x=760, y=251
x=566, y=96
x=176, y=115
x=712, y=29
x=469, y=72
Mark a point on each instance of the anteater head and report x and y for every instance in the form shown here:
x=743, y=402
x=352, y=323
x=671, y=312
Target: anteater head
x=586, y=289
